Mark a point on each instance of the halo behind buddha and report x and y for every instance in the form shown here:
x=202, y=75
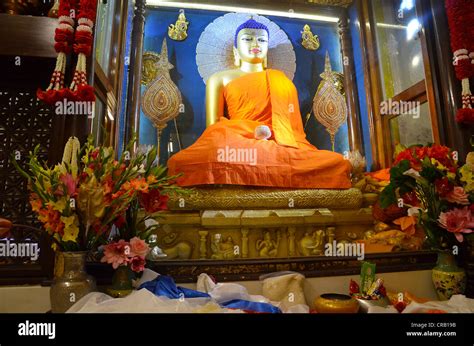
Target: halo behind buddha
x=214, y=51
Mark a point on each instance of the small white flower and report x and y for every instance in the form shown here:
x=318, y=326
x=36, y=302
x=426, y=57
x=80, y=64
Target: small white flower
x=412, y=173
x=150, y=222
x=414, y=211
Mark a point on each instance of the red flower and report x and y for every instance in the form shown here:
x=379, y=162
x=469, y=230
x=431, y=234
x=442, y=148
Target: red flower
x=465, y=116
x=85, y=93
x=94, y=154
x=407, y=154
x=388, y=214
x=83, y=38
x=138, y=264
x=443, y=186
x=120, y=221
x=82, y=176
x=153, y=201
x=421, y=152
x=404, y=155
x=442, y=155
x=411, y=199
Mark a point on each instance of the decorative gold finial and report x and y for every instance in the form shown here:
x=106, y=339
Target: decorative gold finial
x=309, y=40
x=329, y=104
x=178, y=31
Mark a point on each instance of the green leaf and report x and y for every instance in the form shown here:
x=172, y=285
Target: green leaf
x=388, y=196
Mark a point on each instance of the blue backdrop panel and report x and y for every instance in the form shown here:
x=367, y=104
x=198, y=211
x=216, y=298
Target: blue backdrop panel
x=182, y=55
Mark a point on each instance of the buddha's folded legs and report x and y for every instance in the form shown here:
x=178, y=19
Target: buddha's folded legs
x=225, y=154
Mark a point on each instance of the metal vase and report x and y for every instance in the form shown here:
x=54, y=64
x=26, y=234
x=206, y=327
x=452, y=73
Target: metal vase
x=71, y=282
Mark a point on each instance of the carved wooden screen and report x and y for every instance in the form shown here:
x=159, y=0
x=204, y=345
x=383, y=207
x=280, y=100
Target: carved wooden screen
x=24, y=123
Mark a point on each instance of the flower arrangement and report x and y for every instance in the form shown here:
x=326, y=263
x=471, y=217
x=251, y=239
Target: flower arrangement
x=79, y=200
x=126, y=244
x=426, y=183
x=131, y=253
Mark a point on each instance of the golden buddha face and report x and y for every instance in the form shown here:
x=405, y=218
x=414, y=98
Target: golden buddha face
x=252, y=45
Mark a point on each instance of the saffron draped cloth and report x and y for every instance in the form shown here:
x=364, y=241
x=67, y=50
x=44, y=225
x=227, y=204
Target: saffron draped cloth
x=228, y=153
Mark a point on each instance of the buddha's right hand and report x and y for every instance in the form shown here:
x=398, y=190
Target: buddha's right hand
x=262, y=132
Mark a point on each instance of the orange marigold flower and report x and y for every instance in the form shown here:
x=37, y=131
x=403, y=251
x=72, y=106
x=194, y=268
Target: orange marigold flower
x=36, y=203
x=138, y=184
x=51, y=219
x=151, y=179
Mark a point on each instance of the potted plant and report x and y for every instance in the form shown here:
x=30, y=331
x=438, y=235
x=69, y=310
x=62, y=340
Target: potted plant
x=427, y=184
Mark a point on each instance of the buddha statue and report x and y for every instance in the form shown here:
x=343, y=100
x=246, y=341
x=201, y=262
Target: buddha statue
x=254, y=133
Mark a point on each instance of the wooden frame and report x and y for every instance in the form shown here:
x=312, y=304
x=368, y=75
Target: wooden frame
x=187, y=271
x=372, y=84
x=417, y=93
x=379, y=124
x=108, y=86
x=27, y=36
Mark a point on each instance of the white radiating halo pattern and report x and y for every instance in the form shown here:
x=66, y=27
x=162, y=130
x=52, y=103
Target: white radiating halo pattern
x=214, y=50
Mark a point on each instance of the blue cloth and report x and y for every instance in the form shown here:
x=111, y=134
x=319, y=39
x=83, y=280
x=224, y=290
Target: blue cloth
x=251, y=306
x=165, y=286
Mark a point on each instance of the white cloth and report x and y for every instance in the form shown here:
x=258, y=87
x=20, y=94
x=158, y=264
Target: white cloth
x=144, y=301
x=457, y=304
x=226, y=291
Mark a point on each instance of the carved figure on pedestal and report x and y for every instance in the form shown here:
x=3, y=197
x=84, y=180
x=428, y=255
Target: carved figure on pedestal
x=267, y=247
x=222, y=249
x=312, y=243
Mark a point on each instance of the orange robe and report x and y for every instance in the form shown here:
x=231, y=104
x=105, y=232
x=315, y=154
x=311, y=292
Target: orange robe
x=228, y=153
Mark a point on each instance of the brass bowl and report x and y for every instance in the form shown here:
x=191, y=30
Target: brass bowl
x=336, y=303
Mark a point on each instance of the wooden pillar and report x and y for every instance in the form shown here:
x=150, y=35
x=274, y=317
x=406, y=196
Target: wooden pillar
x=353, y=119
x=132, y=113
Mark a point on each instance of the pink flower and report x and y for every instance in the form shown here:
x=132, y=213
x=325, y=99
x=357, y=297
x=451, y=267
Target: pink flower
x=138, y=247
x=117, y=253
x=457, y=195
x=138, y=263
x=69, y=183
x=457, y=221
